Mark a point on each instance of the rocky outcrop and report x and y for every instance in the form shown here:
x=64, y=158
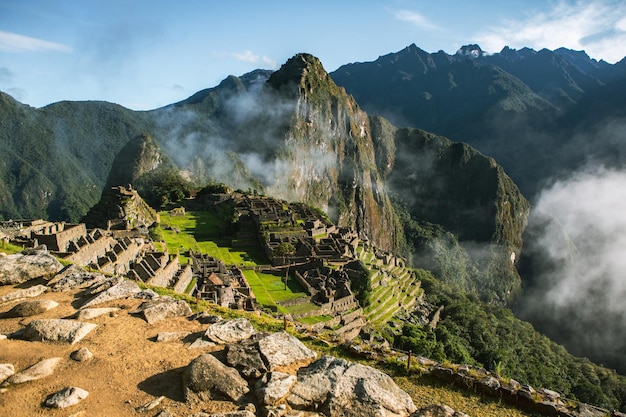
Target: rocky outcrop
x=57, y=330
x=341, y=388
x=29, y=292
x=206, y=378
x=111, y=289
x=28, y=265
x=231, y=331
x=37, y=371
x=66, y=397
x=163, y=308
x=31, y=308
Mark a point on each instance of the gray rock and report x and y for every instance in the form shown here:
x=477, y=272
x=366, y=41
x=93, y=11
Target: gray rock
x=74, y=277
x=147, y=295
x=337, y=387
x=164, y=413
x=246, y=358
x=20, y=267
x=240, y=413
x=81, y=355
x=66, y=397
x=6, y=370
x=168, y=337
x=37, y=371
x=31, y=292
x=436, y=410
x=57, y=330
x=151, y=405
x=92, y=313
x=231, y=331
x=32, y=308
x=163, y=308
x=118, y=289
x=205, y=318
x=202, y=343
x=282, y=349
x=273, y=387
x=206, y=378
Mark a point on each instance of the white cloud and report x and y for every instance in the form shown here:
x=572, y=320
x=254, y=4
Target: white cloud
x=252, y=58
x=598, y=27
x=414, y=18
x=13, y=42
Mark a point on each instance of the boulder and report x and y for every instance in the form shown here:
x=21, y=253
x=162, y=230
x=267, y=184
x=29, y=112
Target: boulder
x=163, y=308
x=81, y=355
x=57, y=330
x=31, y=292
x=21, y=267
x=6, y=370
x=246, y=358
x=206, y=378
x=231, y=331
x=273, y=387
x=66, y=397
x=112, y=290
x=337, y=387
x=32, y=308
x=74, y=277
x=282, y=349
x=37, y=371
x=436, y=410
x=92, y=313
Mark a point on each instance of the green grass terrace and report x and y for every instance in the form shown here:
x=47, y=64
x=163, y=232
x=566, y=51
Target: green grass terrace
x=204, y=232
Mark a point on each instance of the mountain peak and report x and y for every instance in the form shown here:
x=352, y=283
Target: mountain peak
x=471, y=51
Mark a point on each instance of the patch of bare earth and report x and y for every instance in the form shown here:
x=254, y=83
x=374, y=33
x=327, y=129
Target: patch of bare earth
x=128, y=369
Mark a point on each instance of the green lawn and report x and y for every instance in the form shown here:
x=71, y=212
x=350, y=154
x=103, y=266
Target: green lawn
x=202, y=232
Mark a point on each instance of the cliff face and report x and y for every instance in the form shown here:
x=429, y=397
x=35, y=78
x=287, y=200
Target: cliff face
x=327, y=158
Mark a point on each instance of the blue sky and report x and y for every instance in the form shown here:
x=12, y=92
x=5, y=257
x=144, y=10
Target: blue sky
x=144, y=54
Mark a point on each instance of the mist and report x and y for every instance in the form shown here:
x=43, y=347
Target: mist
x=575, y=264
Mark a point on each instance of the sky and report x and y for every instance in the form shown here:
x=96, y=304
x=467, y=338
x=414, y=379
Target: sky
x=145, y=54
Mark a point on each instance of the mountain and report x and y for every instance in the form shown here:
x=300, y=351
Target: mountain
x=517, y=106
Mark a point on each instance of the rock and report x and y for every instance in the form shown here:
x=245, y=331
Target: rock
x=6, y=370
x=147, y=295
x=437, y=411
x=74, y=277
x=3, y=337
x=273, y=387
x=231, y=331
x=18, y=268
x=201, y=343
x=149, y=406
x=205, y=318
x=337, y=387
x=81, y=355
x=121, y=288
x=168, y=337
x=164, y=413
x=163, y=308
x=32, y=308
x=207, y=378
x=57, y=330
x=37, y=371
x=92, y=313
x=31, y=292
x=66, y=397
x=246, y=358
x=282, y=349
x=240, y=413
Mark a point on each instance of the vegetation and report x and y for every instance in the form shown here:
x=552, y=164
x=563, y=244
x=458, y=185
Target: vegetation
x=490, y=336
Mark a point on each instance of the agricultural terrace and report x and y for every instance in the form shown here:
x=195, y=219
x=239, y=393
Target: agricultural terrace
x=206, y=232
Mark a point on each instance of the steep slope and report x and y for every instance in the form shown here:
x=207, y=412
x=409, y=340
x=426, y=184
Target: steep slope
x=54, y=160
x=518, y=106
x=466, y=217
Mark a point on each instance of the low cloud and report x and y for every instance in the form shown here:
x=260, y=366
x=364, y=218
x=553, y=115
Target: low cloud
x=597, y=26
x=414, y=18
x=577, y=241
x=252, y=58
x=13, y=42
